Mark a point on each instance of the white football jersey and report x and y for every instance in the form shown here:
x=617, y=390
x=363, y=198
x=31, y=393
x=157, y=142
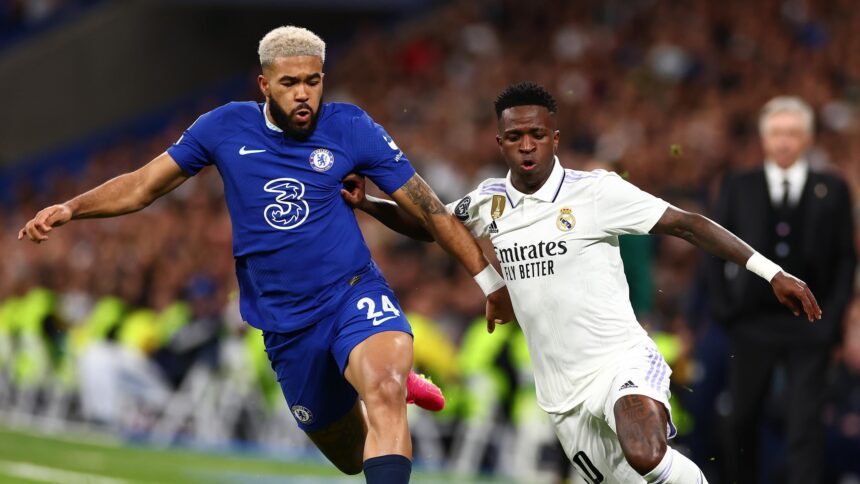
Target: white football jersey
x=558, y=249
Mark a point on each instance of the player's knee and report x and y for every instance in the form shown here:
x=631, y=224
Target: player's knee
x=388, y=392
x=645, y=457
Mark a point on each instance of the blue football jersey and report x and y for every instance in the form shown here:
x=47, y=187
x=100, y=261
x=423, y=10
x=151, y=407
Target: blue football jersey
x=296, y=241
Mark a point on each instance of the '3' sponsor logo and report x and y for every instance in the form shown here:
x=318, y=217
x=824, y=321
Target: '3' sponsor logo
x=290, y=209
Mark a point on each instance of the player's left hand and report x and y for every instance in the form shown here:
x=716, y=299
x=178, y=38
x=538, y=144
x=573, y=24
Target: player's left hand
x=38, y=227
x=790, y=291
x=499, y=309
x=353, y=191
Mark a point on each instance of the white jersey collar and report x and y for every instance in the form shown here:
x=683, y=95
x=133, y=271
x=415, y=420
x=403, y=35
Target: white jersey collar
x=546, y=193
x=270, y=124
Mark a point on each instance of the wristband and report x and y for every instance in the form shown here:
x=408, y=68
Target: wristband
x=763, y=266
x=489, y=280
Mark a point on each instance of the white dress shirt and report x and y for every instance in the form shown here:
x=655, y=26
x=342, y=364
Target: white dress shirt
x=795, y=174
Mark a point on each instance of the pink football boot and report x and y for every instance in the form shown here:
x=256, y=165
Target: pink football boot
x=422, y=392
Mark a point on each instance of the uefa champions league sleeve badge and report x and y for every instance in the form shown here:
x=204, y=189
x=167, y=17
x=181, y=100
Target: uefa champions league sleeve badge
x=461, y=211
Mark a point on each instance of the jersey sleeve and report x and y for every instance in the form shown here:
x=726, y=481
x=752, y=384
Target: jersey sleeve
x=377, y=155
x=468, y=212
x=193, y=150
x=622, y=208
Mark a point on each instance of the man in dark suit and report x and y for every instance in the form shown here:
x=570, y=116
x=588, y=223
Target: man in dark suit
x=800, y=219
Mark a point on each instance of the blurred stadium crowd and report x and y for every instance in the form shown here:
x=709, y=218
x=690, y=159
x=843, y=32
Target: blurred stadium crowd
x=20, y=18
x=141, y=310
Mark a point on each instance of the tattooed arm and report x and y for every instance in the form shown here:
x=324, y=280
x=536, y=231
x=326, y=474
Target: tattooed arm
x=386, y=211
x=417, y=198
x=419, y=201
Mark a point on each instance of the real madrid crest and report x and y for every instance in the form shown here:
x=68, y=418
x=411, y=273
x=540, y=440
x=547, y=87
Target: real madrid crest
x=565, y=221
x=322, y=159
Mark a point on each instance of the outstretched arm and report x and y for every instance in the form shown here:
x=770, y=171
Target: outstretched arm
x=711, y=237
x=124, y=194
x=419, y=200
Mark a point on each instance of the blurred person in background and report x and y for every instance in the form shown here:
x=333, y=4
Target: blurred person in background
x=801, y=219
x=555, y=232
x=333, y=328
x=190, y=331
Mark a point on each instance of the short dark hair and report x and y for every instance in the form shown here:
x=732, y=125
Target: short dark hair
x=524, y=94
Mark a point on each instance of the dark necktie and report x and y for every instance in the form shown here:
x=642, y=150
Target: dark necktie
x=785, y=190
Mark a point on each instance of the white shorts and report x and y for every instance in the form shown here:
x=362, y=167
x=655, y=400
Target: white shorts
x=588, y=433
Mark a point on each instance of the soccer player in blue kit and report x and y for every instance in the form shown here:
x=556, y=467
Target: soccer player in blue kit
x=333, y=329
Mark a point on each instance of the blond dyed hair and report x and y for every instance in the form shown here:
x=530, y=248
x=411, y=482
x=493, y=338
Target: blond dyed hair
x=290, y=41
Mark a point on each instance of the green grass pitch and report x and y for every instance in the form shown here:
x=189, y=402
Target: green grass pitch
x=32, y=457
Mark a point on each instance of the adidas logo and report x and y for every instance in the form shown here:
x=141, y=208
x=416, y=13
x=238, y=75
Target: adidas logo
x=627, y=385
x=493, y=229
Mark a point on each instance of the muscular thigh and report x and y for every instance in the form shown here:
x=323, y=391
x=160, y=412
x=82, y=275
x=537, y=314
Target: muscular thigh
x=373, y=338
x=643, y=373
x=638, y=408
x=641, y=424
x=372, y=330
x=628, y=417
x=593, y=448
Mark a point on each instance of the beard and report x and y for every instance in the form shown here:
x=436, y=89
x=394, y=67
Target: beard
x=284, y=120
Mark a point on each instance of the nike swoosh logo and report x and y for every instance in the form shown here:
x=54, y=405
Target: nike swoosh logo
x=377, y=322
x=391, y=143
x=243, y=151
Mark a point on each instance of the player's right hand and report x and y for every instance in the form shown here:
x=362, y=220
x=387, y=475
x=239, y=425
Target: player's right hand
x=353, y=191
x=37, y=229
x=500, y=310
x=790, y=291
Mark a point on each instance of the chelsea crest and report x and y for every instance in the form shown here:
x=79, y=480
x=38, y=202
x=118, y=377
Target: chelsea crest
x=302, y=414
x=322, y=159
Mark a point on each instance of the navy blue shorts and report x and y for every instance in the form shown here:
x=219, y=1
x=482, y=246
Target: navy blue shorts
x=310, y=362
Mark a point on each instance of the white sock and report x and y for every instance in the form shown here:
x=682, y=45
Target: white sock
x=675, y=468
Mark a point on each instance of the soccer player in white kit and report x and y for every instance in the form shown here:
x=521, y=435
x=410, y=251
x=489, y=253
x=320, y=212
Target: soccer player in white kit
x=555, y=233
